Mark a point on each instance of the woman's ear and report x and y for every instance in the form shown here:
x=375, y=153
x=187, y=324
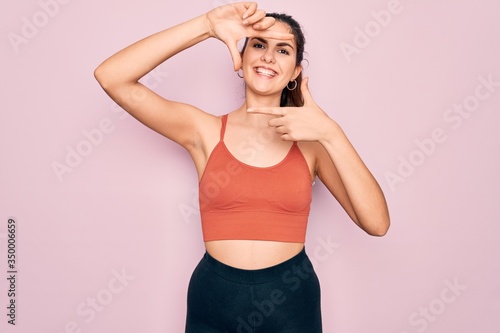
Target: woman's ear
x=297, y=71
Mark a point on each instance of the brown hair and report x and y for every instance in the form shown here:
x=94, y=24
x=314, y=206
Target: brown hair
x=290, y=97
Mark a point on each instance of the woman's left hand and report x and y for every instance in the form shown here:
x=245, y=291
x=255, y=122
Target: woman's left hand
x=339, y=166
x=306, y=123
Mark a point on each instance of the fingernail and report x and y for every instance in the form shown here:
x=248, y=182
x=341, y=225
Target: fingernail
x=250, y=109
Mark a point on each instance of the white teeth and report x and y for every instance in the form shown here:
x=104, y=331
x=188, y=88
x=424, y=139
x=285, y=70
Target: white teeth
x=266, y=72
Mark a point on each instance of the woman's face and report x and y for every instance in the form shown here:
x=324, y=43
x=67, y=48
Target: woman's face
x=270, y=64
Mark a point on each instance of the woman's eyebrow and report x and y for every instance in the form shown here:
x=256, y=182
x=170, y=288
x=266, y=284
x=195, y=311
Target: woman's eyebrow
x=264, y=41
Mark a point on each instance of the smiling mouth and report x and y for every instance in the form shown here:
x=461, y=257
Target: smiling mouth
x=265, y=72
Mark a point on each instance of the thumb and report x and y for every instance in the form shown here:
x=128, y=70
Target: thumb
x=306, y=94
x=235, y=55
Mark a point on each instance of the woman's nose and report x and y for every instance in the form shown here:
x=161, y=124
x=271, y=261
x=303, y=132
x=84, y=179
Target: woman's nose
x=268, y=56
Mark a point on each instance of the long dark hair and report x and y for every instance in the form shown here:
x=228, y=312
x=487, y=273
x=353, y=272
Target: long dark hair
x=291, y=97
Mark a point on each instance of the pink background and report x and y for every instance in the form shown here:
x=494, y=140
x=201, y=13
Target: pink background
x=127, y=207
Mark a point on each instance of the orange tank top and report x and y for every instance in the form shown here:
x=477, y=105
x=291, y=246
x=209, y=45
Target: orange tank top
x=240, y=201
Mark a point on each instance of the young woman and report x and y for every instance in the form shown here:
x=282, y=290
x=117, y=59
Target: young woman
x=255, y=275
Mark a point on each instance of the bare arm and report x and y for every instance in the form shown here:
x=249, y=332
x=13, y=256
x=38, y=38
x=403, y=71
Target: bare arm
x=182, y=123
x=119, y=76
x=349, y=180
x=338, y=165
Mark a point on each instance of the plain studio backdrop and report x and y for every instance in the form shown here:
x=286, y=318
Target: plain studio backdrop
x=107, y=229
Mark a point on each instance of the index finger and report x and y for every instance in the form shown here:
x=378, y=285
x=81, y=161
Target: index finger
x=271, y=110
x=263, y=29
x=251, y=8
x=275, y=35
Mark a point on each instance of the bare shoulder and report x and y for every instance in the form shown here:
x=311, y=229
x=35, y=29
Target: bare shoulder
x=205, y=136
x=206, y=127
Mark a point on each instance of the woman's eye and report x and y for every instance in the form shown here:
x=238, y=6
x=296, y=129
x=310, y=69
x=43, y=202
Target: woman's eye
x=258, y=45
x=283, y=51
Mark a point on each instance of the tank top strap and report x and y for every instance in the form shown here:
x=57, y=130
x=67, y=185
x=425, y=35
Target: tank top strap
x=223, y=127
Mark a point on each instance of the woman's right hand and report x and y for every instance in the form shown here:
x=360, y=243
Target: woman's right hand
x=233, y=22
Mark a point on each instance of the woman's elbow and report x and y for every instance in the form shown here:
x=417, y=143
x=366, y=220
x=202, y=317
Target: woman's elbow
x=100, y=76
x=378, y=228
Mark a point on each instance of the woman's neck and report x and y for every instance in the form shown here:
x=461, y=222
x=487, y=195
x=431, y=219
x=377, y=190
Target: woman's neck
x=254, y=99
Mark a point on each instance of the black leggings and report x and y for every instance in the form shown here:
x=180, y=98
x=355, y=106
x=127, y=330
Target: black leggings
x=281, y=298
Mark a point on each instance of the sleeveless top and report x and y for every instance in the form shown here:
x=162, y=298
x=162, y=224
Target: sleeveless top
x=240, y=201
